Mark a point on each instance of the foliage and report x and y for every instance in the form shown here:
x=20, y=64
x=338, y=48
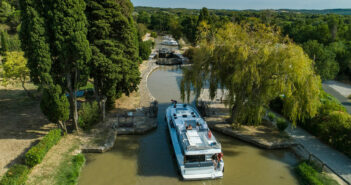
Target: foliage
x=325, y=63
x=37, y=153
x=4, y=43
x=153, y=34
x=15, y=69
x=113, y=36
x=309, y=176
x=89, y=114
x=5, y=11
x=58, y=50
x=145, y=49
x=189, y=53
x=70, y=173
x=271, y=116
x=55, y=106
x=255, y=64
x=16, y=175
x=282, y=124
x=335, y=129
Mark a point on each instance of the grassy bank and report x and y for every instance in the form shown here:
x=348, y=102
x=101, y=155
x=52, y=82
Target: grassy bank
x=69, y=170
x=310, y=175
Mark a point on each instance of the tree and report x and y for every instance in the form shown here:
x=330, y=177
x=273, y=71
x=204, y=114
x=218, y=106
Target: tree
x=113, y=38
x=15, y=70
x=145, y=49
x=4, y=44
x=70, y=47
x=5, y=11
x=144, y=18
x=55, y=106
x=324, y=59
x=53, y=37
x=255, y=65
x=203, y=16
x=35, y=43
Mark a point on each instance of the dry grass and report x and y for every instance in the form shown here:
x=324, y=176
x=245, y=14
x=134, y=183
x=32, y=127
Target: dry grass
x=21, y=123
x=47, y=171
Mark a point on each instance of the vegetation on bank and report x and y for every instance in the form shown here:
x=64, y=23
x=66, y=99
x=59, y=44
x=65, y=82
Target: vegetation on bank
x=37, y=153
x=69, y=171
x=309, y=175
x=16, y=175
x=89, y=114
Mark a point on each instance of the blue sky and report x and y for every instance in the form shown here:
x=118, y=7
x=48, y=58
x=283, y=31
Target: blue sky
x=246, y=4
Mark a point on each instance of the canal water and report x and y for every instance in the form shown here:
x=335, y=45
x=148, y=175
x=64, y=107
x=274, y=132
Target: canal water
x=148, y=160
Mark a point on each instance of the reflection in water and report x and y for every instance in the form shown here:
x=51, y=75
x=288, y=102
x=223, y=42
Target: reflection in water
x=148, y=159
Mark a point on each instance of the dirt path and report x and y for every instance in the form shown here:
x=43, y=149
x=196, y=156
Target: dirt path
x=21, y=123
x=46, y=172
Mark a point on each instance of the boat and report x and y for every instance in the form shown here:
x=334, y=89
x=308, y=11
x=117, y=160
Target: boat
x=198, y=154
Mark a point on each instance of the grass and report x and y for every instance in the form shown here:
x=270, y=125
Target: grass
x=310, y=175
x=16, y=175
x=69, y=170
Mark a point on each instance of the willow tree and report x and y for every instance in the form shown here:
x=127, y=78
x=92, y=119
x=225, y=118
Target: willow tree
x=255, y=65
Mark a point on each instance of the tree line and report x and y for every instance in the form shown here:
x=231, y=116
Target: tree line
x=324, y=37
x=68, y=42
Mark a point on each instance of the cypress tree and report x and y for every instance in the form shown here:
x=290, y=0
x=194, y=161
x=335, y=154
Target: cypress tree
x=67, y=29
x=4, y=45
x=114, y=43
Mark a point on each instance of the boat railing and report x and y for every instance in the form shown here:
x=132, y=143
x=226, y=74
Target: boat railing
x=198, y=164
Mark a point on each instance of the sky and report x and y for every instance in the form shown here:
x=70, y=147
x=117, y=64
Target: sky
x=246, y=4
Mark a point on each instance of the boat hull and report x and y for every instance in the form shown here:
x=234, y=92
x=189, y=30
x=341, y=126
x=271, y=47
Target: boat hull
x=188, y=173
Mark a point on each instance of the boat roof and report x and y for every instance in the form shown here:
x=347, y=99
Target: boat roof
x=193, y=131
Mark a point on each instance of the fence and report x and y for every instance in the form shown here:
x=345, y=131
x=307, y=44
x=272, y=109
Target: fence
x=301, y=151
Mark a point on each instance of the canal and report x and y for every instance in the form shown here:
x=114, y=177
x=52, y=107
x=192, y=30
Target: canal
x=148, y=159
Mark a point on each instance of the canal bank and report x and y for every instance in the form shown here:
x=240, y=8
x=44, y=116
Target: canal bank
x=147, y=159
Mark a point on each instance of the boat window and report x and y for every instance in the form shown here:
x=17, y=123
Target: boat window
x=184, y=115
x=194, y=158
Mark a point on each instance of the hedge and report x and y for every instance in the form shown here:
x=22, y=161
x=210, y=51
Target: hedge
x=37, y=153
x=16, y=175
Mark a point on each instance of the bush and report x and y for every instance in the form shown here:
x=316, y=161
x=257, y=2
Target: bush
x=282, y=124
x=308, y=174
x=37, y=153
x=89, y=114
x=69, y=173
x=16, y=175
x=335, y=129
x=189, y=53
x=271, y=116
x=153, y=34
x=145, y=49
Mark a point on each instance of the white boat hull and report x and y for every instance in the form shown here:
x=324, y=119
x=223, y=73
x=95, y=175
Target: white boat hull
x=189, y=173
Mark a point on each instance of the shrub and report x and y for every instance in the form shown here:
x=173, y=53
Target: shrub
x=335, y=129
x=271, y=116
x=329, y=104
x=189, y=53
x=37, y=153
x=89, y=115
x=145, y=49
x=16, y=175
x=153, y=34
x=308, y=174
x=70, y=172
x=282, y=124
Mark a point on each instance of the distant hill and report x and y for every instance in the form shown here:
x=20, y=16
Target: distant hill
x=326, y=11
x=225, y=11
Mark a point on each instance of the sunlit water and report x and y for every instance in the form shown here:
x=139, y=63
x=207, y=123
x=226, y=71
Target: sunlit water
x=148, y=159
